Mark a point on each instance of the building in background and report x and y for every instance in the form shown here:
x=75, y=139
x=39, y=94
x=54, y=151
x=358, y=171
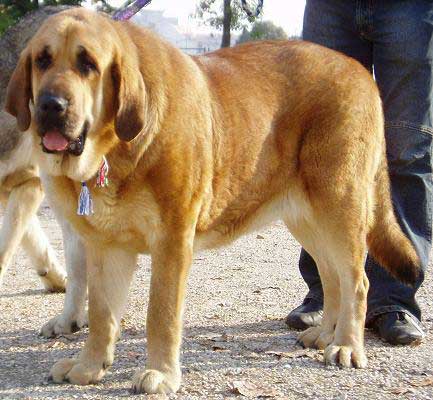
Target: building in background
x=190, y=42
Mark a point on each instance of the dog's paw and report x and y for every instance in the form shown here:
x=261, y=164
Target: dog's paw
x=316, y=338
x=53, y=277
x=345, y=356
x=154, y=381
x=76, y=371
x=54, y=284
x=61, y=325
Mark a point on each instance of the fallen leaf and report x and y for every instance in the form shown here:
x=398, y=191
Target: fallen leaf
x=250, y=389
x=293, y=354
x=416, y=343
x=214, y=337
x=260, y=290
x=277, y=354
x=212, y=316
x=427, y=381
x=68, y=338
x=219, y=347
x=260, y=237
x=400, y=390
x=55, y=344
x=133, y=355
x=208, y=336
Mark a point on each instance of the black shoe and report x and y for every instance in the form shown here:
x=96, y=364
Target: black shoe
x=308, y=314
x=398, y=328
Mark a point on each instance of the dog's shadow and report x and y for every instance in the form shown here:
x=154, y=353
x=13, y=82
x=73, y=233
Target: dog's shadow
x=26, y=358
x=27, y=293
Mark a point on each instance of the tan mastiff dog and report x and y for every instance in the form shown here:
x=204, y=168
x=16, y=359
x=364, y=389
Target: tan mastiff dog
x=202, y=150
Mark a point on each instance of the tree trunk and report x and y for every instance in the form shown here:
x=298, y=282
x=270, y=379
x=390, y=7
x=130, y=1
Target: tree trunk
x=227, y=22
x=35, y=3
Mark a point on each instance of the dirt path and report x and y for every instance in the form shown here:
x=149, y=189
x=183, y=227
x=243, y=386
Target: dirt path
x=234, y=332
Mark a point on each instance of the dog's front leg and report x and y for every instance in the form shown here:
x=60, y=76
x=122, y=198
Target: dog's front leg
x=74, y=314
x=170, y=267
x=110, y=271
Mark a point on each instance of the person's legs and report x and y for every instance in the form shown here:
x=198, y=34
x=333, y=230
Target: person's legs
x=334, y=24
x=402, y=56
x=401, y=34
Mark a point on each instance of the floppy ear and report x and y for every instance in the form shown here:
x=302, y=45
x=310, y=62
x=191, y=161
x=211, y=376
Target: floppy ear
x=129, y=92
x=19, y=92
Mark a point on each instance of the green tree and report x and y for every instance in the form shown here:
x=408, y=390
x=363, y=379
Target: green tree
x=12, y=10
x=262, y=30
x=227, y=15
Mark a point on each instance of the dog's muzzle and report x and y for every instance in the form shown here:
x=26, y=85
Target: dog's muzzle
x=54, y=142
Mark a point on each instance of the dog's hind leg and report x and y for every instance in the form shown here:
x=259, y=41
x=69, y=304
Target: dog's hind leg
x=340, y=262
x=347, y=348
x=43, y=258
x=320, y=337
x=110, y=271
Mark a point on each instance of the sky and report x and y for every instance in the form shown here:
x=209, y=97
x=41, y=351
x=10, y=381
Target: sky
x=285, y=13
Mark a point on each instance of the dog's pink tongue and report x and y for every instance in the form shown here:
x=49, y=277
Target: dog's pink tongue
x=54, y=141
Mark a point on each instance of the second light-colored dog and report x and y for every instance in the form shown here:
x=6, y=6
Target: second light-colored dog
x=21, y=195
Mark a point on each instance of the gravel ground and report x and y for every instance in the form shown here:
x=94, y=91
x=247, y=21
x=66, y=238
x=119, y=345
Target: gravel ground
x=235, y=339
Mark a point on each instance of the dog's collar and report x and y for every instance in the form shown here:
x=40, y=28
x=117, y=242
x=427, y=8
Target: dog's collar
x=85, y=202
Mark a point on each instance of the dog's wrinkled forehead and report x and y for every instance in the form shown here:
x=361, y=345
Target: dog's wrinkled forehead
x=63, y=37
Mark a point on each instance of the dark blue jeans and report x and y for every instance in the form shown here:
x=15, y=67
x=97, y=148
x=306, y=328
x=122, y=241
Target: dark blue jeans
x=393, y=38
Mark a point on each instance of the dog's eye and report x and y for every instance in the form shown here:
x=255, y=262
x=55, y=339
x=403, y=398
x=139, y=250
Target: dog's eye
x=86, y=64
x=43, y=61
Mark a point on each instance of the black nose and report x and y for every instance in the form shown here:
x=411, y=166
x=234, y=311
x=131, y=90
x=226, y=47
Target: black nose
x=50, y=104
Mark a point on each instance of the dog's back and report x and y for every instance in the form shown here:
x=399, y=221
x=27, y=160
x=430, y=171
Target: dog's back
x=15, y=149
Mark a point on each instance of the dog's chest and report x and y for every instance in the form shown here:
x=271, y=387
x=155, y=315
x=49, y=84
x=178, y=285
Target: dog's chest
x=129, y=220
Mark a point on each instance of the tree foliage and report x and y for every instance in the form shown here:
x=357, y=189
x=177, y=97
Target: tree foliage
x=223, y=14
x=12, y=10
x=211, y=12
x=262, y=30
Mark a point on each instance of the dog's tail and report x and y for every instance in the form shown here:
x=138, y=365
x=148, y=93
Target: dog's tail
x=386, y=241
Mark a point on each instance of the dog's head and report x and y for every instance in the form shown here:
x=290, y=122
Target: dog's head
x=78, y=87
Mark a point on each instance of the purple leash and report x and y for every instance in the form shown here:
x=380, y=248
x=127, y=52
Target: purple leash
x=252, y=13
x=129, y=11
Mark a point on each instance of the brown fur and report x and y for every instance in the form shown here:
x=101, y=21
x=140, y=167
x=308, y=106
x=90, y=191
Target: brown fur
x=217, y=145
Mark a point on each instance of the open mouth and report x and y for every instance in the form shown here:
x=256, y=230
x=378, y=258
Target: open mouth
x=53, y=141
